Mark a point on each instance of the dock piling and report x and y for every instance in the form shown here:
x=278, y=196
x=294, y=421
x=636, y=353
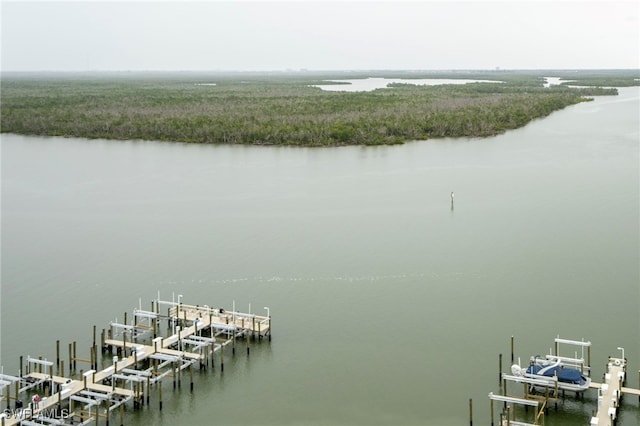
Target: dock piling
x=248, y=338
x=491, y=410
x=191, y=375
x=143, y=360
x=173, y=373
x=512, y=357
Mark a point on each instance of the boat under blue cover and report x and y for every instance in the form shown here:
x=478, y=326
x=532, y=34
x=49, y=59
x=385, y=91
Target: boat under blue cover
x=565, y=374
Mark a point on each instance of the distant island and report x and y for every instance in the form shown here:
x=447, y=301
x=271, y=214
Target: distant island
x=285, y=108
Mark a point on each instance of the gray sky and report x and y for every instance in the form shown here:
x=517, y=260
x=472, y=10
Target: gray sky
x=319, y=35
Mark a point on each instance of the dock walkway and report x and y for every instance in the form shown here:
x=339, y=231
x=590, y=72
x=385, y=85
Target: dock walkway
x=197, y=333
x=610, y=392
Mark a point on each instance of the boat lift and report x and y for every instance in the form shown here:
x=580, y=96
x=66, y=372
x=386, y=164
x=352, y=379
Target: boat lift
x=507, y=418
x=577, y=363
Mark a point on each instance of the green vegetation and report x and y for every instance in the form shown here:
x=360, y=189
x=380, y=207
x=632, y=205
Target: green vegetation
x=281, y=108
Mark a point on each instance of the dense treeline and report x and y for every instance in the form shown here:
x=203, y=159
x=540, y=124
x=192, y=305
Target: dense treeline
x=274, y=109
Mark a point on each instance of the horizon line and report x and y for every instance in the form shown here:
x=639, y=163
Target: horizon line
x=307, y=70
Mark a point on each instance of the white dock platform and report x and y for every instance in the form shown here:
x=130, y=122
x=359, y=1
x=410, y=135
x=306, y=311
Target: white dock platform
x=197, y=332
x=609, y=393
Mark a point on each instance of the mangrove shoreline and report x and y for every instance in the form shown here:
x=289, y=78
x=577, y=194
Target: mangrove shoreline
x=283, y=108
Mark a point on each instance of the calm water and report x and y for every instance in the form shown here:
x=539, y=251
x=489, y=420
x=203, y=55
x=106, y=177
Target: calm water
x=372, y=83
x=389, y=306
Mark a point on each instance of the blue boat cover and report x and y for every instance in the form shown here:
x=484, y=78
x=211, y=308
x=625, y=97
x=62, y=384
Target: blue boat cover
x=566, y=375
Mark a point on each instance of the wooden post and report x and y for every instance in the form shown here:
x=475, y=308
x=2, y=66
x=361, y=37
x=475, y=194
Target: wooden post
x=90, y=357
x=221, y=358
x=51, y=376
x=270, y=328
x=491, y=409
x=504, y=390
x=136, y=401
x=500, y=368
x=248, y=344
x=74, y=355
x=160, y=393
x=191, y=375
x=95, y=350
x=253, y=328
x=155, y=321
x=16, y=395
x=512, y=358
x=59, y=398
x=173, y=373
x=470, y=412
x=180, y=374
x=555, y=348
x=124, y=343
x=20, y=366
x=62, y=367
x=121, y=414
x=148, y=388
x=212, y=353
x=58, y=353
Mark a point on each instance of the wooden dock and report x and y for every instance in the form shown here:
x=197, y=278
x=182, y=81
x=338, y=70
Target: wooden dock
x=143, y=358
x=610, y=392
